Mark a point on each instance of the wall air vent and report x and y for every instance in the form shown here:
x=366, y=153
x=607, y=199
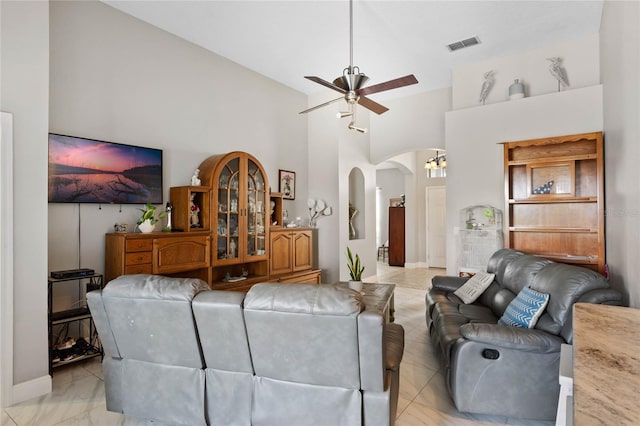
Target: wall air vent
x=463, y=43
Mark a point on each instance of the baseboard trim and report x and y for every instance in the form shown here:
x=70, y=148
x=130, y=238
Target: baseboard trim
x=30, y=389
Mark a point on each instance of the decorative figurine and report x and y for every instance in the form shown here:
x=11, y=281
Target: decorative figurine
x=558, y=72
x=353, y=212
x=195, y=180
x=232, y=249
x=487, y=85
x=168, y=209
x=194, y=210
x=317, y=209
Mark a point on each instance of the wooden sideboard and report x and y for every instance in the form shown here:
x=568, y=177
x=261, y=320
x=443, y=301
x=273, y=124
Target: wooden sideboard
x=163, y=253
x=291, y=256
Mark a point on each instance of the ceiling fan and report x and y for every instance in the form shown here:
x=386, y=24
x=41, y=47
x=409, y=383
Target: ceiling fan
x=351, y=82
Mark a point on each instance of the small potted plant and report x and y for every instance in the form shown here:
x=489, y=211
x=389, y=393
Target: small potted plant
x=355, y=271
x=148, y=220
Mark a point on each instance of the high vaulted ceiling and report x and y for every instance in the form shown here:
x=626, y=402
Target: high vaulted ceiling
x=286, y=40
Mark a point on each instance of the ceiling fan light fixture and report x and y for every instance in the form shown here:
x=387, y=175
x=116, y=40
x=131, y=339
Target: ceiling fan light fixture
x=343, y=114
x=352, y=126
x=350, y=85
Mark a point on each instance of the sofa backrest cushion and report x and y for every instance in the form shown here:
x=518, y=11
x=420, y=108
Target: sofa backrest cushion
x=521, y=272
x=151, y=318
x=223, y=335
x=304, y=333
x=565, y=284
x=499, y=261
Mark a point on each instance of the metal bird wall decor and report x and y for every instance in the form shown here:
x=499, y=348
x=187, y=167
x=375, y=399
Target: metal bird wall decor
x=487, y=85
x=558, y=72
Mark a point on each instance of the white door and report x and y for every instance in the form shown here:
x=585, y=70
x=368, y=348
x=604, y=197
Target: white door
x=436, y=226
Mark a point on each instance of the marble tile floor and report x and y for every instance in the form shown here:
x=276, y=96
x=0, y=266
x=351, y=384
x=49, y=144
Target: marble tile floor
x=78, y=399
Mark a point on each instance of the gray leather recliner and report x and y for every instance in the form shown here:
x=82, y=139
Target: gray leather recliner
x=180, y=353
x=318, y=359
x=153, y=366
x=501, y=370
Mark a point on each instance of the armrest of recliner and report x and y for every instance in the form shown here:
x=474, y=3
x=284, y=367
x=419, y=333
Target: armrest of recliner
x=608, y=296
x=447, y=283
x=393, y=346
x=524, y=339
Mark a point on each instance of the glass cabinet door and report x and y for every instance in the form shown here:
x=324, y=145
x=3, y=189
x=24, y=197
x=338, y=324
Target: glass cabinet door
x=228, y=211
x=256, y=211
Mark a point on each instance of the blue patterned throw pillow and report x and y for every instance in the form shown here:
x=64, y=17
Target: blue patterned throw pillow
x=525, y=309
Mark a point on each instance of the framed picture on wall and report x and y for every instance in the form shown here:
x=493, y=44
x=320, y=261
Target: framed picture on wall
x=287, y=184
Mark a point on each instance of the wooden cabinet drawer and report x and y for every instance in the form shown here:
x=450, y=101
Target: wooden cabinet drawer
x=137, y=269
x=139, y=245
x=138, y=258
x=180, y=253
x=312, y=277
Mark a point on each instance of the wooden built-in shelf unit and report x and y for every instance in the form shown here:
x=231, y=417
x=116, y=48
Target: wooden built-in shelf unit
x=554, y=192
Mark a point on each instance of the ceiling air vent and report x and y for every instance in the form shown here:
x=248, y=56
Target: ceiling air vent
x=463, y=43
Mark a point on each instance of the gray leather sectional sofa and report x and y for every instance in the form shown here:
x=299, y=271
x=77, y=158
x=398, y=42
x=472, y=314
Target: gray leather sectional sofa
x=281, y=354
x=503, y=370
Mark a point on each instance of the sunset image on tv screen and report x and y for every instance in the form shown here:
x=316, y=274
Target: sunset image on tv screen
x=91, y=171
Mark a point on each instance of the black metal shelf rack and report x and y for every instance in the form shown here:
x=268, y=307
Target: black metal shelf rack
x=82, y=313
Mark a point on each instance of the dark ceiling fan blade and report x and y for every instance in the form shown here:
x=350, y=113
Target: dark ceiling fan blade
x=325, y=83
x=372, y=105
x=407, y=80
x=321, y=105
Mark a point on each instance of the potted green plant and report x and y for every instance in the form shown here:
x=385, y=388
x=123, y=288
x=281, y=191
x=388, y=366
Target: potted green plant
x=148, y=220
x=355, y=270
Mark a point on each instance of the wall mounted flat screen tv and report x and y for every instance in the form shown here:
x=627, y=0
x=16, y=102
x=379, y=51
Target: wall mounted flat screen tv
x=90, y=171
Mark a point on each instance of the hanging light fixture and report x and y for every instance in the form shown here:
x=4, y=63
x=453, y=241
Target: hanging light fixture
x=352, y=126
x=437, y=162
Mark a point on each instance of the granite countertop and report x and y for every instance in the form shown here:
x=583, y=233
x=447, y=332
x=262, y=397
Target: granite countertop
x=606, y=365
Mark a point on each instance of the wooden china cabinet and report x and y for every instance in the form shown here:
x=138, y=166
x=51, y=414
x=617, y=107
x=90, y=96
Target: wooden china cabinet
x=239, y=219
x=221, y=233
x=554, y=194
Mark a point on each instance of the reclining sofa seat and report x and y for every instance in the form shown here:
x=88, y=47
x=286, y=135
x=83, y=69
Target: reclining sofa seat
x=179, y=353
x=319, y=358
x=152, y=362
x=509, y=371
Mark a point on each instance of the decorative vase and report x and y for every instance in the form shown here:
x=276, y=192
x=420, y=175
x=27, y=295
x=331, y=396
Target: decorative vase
x=146, y=226
x=356, y=285
x=516, y=90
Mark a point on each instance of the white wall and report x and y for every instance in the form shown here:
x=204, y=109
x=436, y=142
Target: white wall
x=475, y=173
x=6, y=258
x=353, y=151
x=324, y=181
x=334, y=151
x=24, y=80
x=118, y=79
x=412, y=123
x=580, y=60
x=620, y=68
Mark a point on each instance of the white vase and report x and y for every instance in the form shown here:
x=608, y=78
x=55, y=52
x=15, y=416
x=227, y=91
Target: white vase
x=146, y=226
x=355, y=285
